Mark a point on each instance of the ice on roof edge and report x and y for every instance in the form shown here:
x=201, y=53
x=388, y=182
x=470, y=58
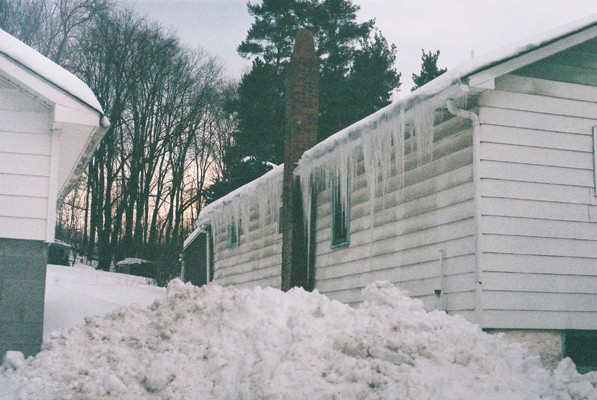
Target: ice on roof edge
x=422, y=94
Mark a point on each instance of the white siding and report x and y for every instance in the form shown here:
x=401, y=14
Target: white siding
x=256, y=261
x=536, y=201
x=432, y=212
x=25, y=141
x=539, y=210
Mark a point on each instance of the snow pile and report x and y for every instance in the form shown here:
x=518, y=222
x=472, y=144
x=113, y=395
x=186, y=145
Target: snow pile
x=218, y=343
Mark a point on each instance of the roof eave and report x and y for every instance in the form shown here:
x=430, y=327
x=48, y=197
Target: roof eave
x=484, y=77
x=36, y=63
x=89, y=150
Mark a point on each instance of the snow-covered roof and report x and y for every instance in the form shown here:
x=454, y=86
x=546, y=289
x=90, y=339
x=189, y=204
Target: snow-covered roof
x=453, y=78
x=459, y=75
x=243, y=191
x=132, y=261
x=47, y=69
x=191, y=238
x=488, y=60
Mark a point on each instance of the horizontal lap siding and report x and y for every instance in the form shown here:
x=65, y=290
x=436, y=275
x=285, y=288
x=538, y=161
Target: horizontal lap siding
x=539, y=210
x=432, y=212
x=256, y=261
x=25, y=143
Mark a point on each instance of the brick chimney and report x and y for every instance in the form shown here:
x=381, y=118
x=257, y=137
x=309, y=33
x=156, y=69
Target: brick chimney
x=302, y=117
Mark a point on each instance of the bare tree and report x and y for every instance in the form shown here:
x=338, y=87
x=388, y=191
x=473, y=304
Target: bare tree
x=166, y=106
x=52, y=27
x=24, y=19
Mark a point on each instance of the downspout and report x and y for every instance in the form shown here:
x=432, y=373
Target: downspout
x=442, y=280
x=474, y=118
x=208, y=254
x=182, y=261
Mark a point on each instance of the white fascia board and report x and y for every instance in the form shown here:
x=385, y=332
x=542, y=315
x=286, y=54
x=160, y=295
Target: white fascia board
x=74, y=114
x=21, y=79
x=485, y=79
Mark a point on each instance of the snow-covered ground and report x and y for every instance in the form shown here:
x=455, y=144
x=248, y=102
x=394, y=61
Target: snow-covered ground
x=228, y=343
x=72, y=294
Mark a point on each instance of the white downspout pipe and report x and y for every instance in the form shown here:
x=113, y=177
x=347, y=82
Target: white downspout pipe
x=474, y=118
x=182, y=261
x=458, y=112
x=207, y=255
x=442, y=280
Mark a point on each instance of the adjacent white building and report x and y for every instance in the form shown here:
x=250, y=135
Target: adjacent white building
x=476, y=194
x=50, y=124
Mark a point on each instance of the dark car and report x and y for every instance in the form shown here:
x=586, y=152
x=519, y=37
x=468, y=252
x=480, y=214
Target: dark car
x=60, y=253
x=137, y=266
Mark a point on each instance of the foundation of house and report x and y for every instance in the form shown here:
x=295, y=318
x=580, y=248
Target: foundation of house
x=22, y=289
x=547, y=344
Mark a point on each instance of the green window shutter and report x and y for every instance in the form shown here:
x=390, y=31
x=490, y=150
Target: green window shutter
x=340, y=218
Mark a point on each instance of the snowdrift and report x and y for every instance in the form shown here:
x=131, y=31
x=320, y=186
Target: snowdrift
x=226, y=343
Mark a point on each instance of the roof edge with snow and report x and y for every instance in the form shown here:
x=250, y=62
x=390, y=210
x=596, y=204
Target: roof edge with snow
x=445, y=86
x=48, y=70
x=449, y=84
x=243, y=191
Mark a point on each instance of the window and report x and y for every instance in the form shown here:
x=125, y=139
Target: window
x=234, y=235
x=340, y=217
x=581, y=347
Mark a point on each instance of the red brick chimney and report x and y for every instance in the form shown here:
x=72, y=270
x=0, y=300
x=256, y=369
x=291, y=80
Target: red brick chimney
x=302, y=117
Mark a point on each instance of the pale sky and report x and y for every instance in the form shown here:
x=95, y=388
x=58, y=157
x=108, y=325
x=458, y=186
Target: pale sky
x=458, y=28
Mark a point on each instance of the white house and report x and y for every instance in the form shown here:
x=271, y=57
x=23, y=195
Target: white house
x=50, y=124
x=476, y=194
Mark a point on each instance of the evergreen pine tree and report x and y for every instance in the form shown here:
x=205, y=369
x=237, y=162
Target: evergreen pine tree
x=357, y=77
x=259, y=138
x=429, y=69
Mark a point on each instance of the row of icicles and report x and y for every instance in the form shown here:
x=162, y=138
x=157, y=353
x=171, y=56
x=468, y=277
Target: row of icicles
x=380, y=145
